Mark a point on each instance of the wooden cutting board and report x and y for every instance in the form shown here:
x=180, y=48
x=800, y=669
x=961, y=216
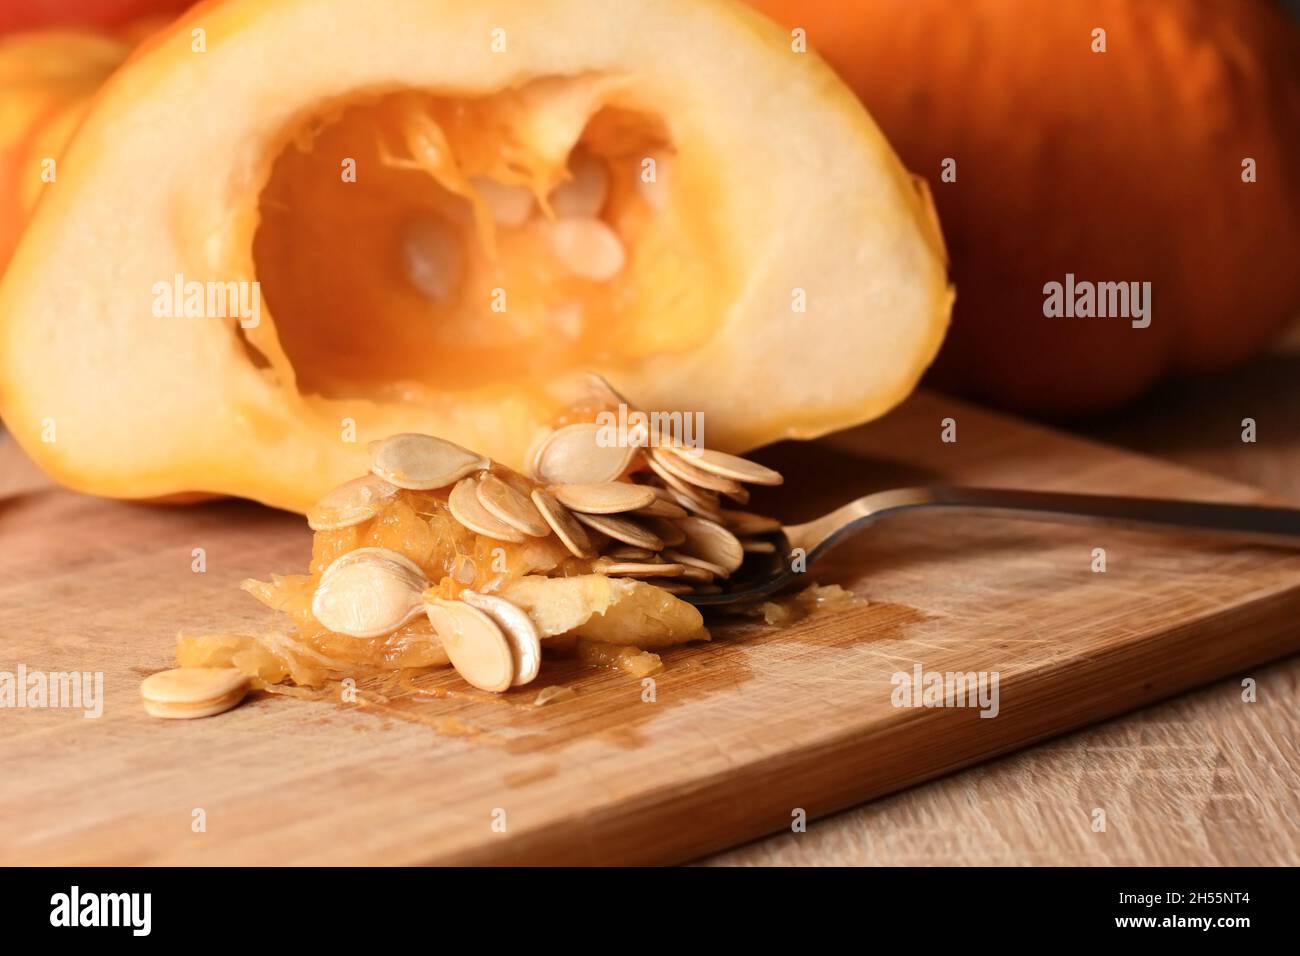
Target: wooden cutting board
x=742, y=734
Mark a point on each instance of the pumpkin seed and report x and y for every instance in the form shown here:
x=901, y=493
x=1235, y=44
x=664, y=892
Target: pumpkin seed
x=695, y=500
x=625, y=552
x=368, y=592
x=422, y=462
x=725, y=466
x=433, y=257
x=508, y=505
x=670, y=585
x=634, y=569
x=666, y=530
x=712, y=542
x=573, y=456
x=662, y=507
x=463, y=502
x=570, y=532
x=510, y=205
x=525, y=645
x=604, y=498
x=350, y=503
x=583, y=194
x=184, y=693
x=745, y=523
x=753, y=546
x=586, y=247
x=474, y=643
x=715, y=570
x=622, y=529
x=691, y=573
x=676, y=465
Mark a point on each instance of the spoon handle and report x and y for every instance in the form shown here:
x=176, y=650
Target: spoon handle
x=820, y=534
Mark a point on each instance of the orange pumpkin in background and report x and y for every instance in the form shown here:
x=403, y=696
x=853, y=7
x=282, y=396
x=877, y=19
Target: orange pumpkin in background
x=1123, y=165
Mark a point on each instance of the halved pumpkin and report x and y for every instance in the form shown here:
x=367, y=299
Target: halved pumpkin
x=387, y=174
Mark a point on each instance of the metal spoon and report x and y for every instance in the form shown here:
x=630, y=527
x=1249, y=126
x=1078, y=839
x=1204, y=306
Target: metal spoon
x=763, y=574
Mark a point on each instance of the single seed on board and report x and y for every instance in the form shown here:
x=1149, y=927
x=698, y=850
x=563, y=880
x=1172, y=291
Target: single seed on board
x=631, y=569
x=474, y=643
x=432, y=256
x=604, y=498
x=369, y=592
x=350, y=503
x=666, y=530
x=662, y=508
x=518, y=627
x=510, y=506
x=422, y=462
x=622, y=529
x=510, y=205
x=583, y=194
x=465, y=507
x=746, y=523
x=726, y=466
x=585, y=247
x=687, y=472
x=573, y=455
x=690, y=561
x=567, y=528
x=753, y=546
x=184, y=693
x=712, y=542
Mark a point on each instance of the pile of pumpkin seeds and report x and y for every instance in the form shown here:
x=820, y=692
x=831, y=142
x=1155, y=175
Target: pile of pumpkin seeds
x=643, y=509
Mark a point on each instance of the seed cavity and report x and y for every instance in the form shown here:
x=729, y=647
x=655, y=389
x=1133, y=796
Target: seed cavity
x=587, y=248
x=433, y=257
x=582, y=196
x=509, y=204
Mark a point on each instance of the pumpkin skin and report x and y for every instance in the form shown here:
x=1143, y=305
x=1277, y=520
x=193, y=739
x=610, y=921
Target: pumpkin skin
x=43, y=14
x=781, y=184
x=1116, y=166
x=47, y=79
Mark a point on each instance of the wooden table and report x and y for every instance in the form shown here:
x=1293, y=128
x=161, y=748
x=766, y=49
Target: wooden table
x=1204, y=779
